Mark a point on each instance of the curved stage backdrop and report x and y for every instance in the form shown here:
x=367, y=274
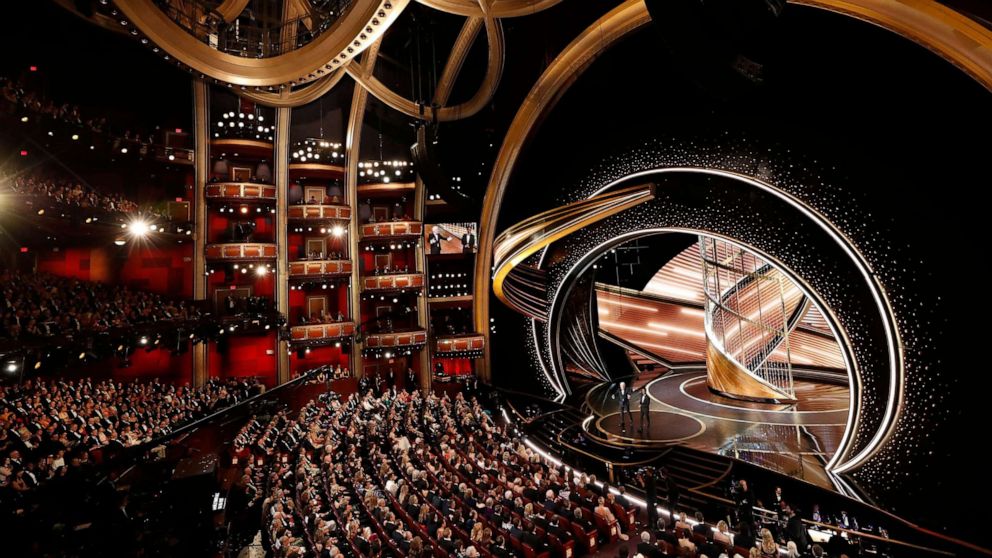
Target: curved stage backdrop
x=877, y=226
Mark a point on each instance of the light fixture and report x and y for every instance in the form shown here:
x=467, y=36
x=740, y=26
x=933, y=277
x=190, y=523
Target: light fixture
x=138, y=228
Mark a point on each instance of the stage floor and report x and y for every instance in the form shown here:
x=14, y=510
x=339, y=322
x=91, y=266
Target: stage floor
x=793, y=439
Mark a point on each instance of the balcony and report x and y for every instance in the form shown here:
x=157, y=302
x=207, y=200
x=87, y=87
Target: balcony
x=319, y=212
x=468, y=343
x=312, y=269
x=241, y=251
x=316, y=170
x=386, y=189
x=243, y=146
x=395, y=340
x=391, y=229
x=319, y=332
x=241, y=191
x=396, y=282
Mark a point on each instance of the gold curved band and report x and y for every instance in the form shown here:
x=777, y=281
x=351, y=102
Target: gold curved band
x=350, y=35
x=500, y=8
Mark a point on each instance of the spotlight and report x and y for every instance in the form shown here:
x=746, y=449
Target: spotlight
x=120, y=241
x=143, y=341
x=124, y=150
x=75, y=137
x=24, y=119
x=337, y=230
x=11, y=367
x=244, y=209
x=261, y=271
x=138, y=228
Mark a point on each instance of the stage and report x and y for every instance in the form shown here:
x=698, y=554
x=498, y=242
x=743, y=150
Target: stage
x=796, y=439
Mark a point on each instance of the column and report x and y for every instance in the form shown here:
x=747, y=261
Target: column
x=281, y=169
x=201, y=164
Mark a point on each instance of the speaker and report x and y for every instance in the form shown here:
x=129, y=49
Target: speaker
x=425, y=160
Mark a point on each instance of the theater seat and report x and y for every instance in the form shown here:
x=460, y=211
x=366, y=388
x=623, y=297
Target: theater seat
x=587, y=539
x=609, y=529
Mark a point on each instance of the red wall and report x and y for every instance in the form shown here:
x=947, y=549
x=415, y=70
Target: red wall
x=246, y=356
x=319, y=356
x=337, y=298
x=166, y=269
x=219, y=226
x=400, y=258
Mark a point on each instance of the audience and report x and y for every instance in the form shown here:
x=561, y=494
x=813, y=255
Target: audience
x=41, y=305
x=65, y=191
x=49, y=427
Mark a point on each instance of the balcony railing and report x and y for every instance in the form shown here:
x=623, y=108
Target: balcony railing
x=392, y=229
x=315, y=332
x=460, y=343
x=319, y=212
x=399, y=281
x=235, y=251
x=319, y=268
x=243, y=191
x=400, y=339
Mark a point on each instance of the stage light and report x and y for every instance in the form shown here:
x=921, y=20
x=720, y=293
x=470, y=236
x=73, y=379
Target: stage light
x=24, y=119
x=124, y=150
x=261, y=271
x=138, y=228
x=244, y=270
x=75, y=137
x=337, y=230
x=244, y=209
x=41, y=212
x=120, y=241
x=172, y=157
x=11, y=367
x=153, y=228
x=143, y=341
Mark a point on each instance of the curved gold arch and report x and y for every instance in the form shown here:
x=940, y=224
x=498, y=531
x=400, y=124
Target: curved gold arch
x=229, y=10
x=494, y=71
x=459, y=52
x=500, y=8
x=295, y=98
x=950, y=34
x=350, y=35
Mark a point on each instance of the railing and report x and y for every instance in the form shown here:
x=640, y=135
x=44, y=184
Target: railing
x=241, y=191
x=459, y=343
x=319, y=267
x=240, y=38
x=400, y=339
x=388, y=229
x=313, y=332
x=398, y=281
x=241, y=251
x=316, y=212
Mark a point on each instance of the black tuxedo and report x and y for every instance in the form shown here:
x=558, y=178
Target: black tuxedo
x=470, y=242
x=434, y=241
x=648, y=550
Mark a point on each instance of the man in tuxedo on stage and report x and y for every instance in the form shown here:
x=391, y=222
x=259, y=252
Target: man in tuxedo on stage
x=625, y=394
x=470, y=242
x=434, y=239
x=645, y=403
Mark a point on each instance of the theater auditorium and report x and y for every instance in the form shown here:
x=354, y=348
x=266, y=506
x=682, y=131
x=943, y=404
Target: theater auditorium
x=494, y=278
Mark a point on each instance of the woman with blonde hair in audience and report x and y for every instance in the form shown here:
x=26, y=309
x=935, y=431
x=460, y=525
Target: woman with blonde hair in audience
x=792, y=551
x=722, y=534
x=476, y=535
x=767, y=547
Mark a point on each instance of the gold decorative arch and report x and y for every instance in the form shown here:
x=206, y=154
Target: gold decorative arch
x=499, y=8
x=953, y=36
x=350, y=35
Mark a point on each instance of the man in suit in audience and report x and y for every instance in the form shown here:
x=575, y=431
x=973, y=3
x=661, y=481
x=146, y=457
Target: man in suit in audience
x=645, y=548
x=796, y=531
x=530, y=538
x=663, y=534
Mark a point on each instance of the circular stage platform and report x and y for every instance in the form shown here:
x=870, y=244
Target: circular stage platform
x=663, y=427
